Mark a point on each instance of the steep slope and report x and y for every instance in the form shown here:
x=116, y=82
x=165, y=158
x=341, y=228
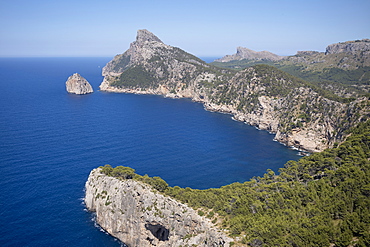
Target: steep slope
x=301, y=114
x=150, y=66
x=301, y=117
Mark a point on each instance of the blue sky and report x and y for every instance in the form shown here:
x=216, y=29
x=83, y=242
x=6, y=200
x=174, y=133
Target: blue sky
x=203, y=28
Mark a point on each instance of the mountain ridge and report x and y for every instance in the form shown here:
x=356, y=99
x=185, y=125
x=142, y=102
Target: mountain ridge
x=245, y=53
x=344, y=67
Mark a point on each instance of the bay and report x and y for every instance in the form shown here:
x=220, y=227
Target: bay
x=50, y=140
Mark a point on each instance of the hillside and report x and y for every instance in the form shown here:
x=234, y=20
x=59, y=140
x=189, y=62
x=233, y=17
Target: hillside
x=300, y=113
x=320, y=200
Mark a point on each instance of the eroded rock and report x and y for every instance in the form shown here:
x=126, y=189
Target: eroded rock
x=76, y=84
x=139, y=215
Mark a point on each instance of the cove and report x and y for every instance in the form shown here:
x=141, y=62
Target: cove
x=51, y=140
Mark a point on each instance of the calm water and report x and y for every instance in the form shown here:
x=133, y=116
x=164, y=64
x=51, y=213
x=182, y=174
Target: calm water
x=50, y=140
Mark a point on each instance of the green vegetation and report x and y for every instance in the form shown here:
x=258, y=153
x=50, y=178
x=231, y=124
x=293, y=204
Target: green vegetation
x=121, y=62
x=123, y=172
x=241, y=64
x=360, y=75
x=136, y=76
x=319, y=200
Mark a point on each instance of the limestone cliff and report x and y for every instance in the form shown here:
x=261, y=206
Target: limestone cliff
x=245, y=53
x=351, y=47
x=300, y=114
x=139, y=215
x=76, y=84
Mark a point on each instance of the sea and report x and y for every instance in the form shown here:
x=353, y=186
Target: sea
x=50, y=141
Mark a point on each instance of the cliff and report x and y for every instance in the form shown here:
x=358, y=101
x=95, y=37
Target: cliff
x=301, y=114
x=351, y=47
x=139, y=215
x=245, y=53
x=76, y=84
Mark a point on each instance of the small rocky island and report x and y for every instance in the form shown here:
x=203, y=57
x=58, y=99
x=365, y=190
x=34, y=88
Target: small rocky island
x=76, y=84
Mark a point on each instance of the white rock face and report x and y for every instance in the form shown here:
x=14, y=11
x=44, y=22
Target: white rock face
x=78, y=85
x=138, y=215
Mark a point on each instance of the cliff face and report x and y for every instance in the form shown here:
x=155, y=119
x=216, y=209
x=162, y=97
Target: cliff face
x=139, y=215
x=76, y=84
x=351, y=47
x=262, y=95
x=245, y=53
x=300, y=117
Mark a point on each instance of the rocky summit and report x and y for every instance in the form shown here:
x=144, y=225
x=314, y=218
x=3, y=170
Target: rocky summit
x=76, y=84
x=351, y=47
x=248, y=54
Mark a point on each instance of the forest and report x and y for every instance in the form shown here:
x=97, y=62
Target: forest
x=320, y=200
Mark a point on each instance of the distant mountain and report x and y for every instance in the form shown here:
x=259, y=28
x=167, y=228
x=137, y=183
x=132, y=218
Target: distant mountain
x=245, y=53
x=302, y=114
x=343, y=69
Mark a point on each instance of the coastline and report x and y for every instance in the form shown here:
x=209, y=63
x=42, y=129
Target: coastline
x=235, y=115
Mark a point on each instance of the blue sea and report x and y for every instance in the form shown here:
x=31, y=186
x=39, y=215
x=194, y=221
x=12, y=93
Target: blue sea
x=50, y=140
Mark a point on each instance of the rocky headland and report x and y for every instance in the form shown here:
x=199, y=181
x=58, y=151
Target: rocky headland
x=76, y=84
x=299, y=113
x=139, y=215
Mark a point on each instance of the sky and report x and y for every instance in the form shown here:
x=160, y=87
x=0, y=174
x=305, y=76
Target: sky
x=205, y=28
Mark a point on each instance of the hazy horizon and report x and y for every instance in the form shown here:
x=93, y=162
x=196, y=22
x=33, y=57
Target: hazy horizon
x=84, y=28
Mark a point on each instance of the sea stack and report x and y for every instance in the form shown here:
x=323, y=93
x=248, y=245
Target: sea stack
x=78, y=85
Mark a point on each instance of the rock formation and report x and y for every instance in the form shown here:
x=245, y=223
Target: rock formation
x=298, y=113
x=139, y=215
x=76, y=84
x=245, y=53
x=351, y=47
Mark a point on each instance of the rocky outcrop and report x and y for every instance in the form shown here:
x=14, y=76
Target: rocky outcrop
x=351, y=47
x=76, y=84
x=262, y=95
x=139, y=215
x=245, y=53
x=307, y=53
